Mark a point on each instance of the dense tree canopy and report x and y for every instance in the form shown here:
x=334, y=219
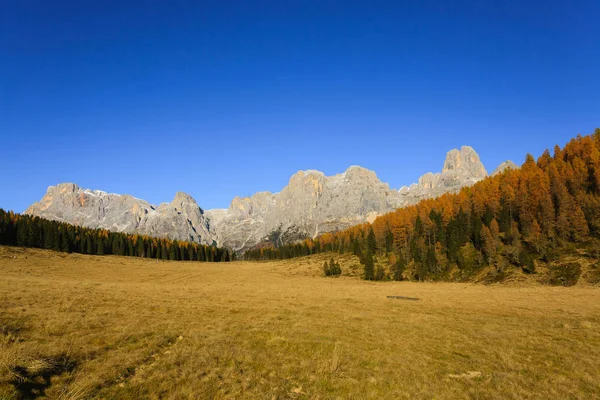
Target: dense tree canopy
x=508, y=219
x=28, y=231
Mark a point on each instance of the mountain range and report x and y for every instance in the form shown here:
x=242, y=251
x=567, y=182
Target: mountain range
x=309, y=205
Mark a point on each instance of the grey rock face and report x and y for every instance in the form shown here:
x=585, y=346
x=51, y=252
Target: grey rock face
x=181, y=219
x=313, y=203
x=504, y=166
x=309, y=205
x=461, y=168
x=244, y=220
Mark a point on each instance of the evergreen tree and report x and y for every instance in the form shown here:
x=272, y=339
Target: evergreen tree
x=64, y=241
x=100, y=246
x=368, y=264
x=88, y=245
x=379, y=274
x=398, y=269
x=140, y=250
x=326, y=270
x=371, y=241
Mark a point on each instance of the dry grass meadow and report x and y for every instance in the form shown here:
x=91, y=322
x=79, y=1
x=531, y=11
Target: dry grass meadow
x=75, y=326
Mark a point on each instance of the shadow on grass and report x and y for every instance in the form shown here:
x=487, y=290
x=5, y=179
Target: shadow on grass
x=32, y=381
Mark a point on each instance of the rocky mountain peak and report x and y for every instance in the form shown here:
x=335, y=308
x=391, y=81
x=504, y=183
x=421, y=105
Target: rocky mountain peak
x=309, y=175
x=358, y=173
x=64, y=187
x=504, y=166
x=258, y=203
x=453, y=160
x=429, y=180
x=309, y=182
x=461, y=168
x=465, y=159
x=183, y=199
x=308, y=172
x=181, y=219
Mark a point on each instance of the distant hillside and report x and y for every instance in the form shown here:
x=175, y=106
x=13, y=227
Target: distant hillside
x=539, y=213
x=28, y=231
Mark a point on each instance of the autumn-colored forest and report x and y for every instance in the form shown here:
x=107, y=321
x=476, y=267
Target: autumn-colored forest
x=512, y=218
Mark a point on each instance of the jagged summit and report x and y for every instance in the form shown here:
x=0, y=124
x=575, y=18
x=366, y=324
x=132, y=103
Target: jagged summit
x=181, y=219
x=357, y=168
x=504, y=166
x=312, y=203
x=308, y=172
x=359, y=173
x=465, y=159
x=66, y=186
x=183, y=197
x=461, y=168
x=183, y=201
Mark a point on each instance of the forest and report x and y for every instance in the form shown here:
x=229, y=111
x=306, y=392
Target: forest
x=27, y=231
x=512, y=218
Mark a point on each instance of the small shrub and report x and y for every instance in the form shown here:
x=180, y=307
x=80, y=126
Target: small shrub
x=494, y=276
x=565, y=275
x=468, y=257
x=550, y=255
x=398, y=270
x=526, y=262
x=593, y=275
x=512, y=254
x=332, y=269
x=379, y=273
x=593, y=253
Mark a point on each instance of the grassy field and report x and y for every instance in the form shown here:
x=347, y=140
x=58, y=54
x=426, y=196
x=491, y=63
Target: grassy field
x=75, y=326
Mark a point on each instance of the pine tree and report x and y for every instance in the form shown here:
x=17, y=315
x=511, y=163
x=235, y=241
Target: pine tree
x=88, y=245
x=535, y=237
x=130, y=252
x=369, y=267
x=389, y=241
x=467, y=257
x=140, y=247
x=371, y=241
x=398, y=269
x=488, y=245
x=326, y=270
x=64, y=242
x=100, y=245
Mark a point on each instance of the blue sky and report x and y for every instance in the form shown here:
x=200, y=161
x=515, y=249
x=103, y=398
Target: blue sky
x=225, y=98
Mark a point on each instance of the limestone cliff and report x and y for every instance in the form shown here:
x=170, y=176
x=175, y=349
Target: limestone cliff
x=461, y=168
x=181, y=219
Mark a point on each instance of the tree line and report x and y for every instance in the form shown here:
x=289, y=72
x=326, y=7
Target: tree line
x=512, y=218
x=28, y=231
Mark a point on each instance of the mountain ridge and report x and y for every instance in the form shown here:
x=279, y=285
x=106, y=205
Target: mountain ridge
x=310, y=204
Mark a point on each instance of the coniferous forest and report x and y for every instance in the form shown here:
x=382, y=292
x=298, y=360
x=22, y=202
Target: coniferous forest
x=28, y=231
x=512, y=218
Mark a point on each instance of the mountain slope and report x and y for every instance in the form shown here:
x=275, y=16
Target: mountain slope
x=548, y=210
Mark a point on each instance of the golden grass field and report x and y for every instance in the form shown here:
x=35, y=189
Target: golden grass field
x=75, y=326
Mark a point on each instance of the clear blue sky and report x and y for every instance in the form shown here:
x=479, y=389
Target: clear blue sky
x=225, y=98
